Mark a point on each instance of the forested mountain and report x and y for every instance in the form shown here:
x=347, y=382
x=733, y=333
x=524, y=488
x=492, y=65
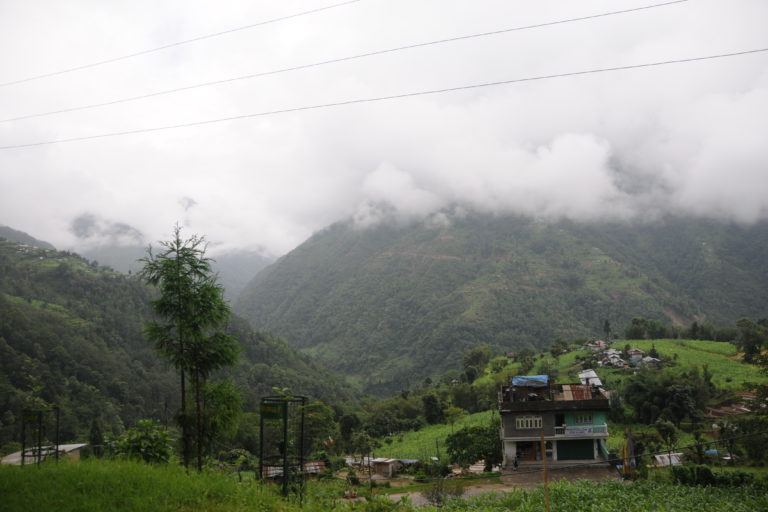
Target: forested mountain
x=71, y=334
x=389, y=304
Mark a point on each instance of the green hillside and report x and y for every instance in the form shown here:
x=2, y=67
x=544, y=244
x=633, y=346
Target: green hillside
x=425, y=443
x=729, y=373
x=71, y=334
x=389, y=304
x=722, y=359
x=14, y=235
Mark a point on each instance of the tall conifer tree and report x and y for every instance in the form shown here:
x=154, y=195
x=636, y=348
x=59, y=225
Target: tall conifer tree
x=190, y=313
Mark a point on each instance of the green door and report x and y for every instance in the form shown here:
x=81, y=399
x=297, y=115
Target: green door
x=577, y=449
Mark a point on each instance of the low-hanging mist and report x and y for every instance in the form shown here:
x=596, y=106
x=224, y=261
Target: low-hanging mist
x=684, y=139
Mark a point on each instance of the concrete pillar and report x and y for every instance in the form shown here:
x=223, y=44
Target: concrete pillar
x=510, y=452
x=554, y=450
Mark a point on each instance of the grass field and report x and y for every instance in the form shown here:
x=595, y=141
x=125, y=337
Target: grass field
x=122, y=486
x=427, y=441
x=721, y=358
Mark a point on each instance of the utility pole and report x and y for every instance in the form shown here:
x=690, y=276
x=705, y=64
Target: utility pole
x=546, y=476
x=58, y=414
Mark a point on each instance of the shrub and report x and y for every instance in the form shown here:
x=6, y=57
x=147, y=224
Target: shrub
x=696, y=474
x=336, y=463
x=435, y=468
x=442, y=490
x=352, y=477
x=148, y=441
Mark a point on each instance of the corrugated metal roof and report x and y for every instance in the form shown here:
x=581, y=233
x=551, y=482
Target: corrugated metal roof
x=576, y=392
x=589, y=377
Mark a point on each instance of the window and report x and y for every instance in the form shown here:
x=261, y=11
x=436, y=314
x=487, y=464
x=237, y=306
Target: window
x=582, y=418
x=524, y=422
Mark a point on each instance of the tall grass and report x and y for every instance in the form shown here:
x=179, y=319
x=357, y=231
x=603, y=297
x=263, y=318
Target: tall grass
x=110, y=486
x=101, y=485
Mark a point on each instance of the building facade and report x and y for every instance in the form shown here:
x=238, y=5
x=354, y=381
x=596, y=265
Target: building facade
x=571, y=417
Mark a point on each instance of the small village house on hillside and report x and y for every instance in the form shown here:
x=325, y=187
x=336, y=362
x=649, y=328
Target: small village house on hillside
x=573, y=418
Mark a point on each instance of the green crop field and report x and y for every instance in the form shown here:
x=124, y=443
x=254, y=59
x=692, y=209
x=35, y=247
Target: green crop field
x=721, y=358
x=121, y=486
x=729, y=372
x=425, y=442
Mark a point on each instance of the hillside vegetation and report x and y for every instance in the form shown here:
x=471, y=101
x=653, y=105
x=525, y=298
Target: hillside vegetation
x=388, y=303
x=130, y=486
x=722, y=359
x=728, y=373
x=71, y=334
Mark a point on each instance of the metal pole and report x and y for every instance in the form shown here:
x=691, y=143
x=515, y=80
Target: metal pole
x=285, y=447
x=546, y=476
x=261, y=443
x=39, y=438
x=23, y=436
x=58, y=411
x=301, y=451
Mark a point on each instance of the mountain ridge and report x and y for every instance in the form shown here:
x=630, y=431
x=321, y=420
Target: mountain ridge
x=71, y=335
x=389, y=303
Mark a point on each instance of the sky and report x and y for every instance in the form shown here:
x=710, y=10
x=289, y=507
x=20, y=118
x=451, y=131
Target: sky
x=630, y=145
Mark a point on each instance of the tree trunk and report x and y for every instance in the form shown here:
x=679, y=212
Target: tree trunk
x=199, y=418
x=184, y=423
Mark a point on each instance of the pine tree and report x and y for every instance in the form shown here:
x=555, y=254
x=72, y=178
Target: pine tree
x=190, y=313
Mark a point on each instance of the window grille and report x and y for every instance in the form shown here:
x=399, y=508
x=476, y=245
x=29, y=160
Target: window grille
x=525, y=422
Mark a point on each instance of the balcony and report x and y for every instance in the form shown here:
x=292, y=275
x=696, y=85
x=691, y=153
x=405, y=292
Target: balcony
x=582, y=431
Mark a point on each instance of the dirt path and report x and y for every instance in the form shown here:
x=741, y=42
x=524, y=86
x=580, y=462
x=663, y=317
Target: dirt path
x=523, y=479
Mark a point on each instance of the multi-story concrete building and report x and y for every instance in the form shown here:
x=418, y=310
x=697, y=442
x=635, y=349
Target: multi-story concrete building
x=572, y=418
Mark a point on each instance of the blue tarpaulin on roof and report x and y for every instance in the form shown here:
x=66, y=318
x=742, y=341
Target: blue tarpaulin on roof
x=531, y=381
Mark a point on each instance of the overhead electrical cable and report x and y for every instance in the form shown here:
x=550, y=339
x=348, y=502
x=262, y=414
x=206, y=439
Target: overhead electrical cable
x=382, y=98
x=177, y=43
x=336, y=60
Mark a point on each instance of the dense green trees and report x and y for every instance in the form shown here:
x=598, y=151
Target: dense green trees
x=188, y=330
x=433, y=411
x=752, y=337
x=643, y=328
x=423, y=296
x=72, y=336
x=478, y=442
x=663, y=394
x=474, y=362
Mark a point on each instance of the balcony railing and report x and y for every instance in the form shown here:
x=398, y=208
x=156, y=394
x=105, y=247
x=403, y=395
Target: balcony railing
x=581, y=430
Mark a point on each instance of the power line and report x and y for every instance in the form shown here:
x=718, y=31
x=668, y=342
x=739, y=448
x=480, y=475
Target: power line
x=381, y=98
x=336, y=60
x=177, y=43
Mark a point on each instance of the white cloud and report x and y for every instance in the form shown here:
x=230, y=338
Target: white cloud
x=685, y=138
